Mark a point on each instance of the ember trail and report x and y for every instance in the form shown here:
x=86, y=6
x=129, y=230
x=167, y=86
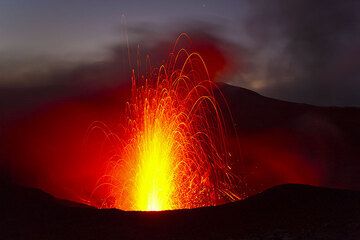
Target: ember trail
x=174, y=153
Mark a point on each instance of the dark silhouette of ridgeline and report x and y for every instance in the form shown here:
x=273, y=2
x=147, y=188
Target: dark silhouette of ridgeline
x=279, y=141
x=285, y=142
x=282, y=212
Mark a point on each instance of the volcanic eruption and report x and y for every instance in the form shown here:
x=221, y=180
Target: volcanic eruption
x=173, y=147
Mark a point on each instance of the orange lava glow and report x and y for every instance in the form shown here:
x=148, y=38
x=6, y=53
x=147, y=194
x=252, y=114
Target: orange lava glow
x=174, y=154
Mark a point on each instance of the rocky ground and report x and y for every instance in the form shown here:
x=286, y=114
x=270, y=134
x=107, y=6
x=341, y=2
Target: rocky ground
x=282, y=212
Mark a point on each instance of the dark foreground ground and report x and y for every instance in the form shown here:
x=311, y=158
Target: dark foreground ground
x=283, y=212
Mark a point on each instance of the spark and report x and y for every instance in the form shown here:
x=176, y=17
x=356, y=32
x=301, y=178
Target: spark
x=174, y=152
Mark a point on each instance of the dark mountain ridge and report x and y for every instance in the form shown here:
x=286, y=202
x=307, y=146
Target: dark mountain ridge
x=274, y=142
x=282, y=212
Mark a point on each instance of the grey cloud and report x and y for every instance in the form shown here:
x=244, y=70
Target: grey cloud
x=304, y=51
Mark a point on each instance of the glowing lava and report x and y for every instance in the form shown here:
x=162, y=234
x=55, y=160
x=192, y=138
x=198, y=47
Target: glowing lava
x=174, y=151
x=154, y=175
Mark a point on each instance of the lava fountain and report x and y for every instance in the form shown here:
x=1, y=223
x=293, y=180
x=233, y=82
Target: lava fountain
x=174, y=152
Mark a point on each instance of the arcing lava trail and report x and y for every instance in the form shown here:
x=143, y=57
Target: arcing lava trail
x=174, y=152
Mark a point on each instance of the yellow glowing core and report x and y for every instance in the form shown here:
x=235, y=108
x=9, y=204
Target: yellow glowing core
x=154, y=178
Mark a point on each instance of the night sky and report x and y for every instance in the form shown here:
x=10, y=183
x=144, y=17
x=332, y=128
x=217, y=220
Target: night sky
x=301, y=51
